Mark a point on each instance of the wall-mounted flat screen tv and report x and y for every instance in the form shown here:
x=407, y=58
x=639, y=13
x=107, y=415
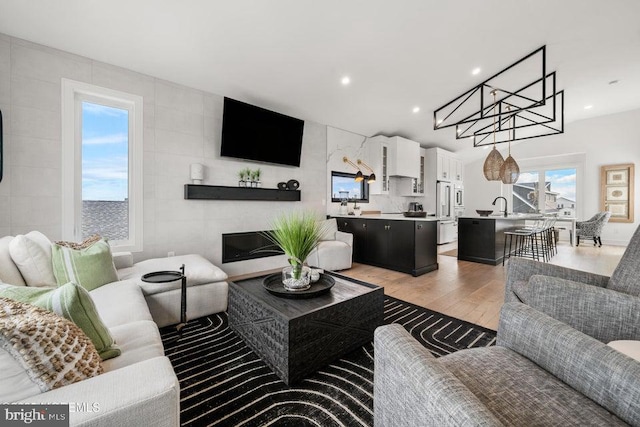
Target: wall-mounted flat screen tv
x=253, y=133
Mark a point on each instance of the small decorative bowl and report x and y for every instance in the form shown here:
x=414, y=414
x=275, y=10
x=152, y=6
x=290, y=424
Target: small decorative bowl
x=483, y=212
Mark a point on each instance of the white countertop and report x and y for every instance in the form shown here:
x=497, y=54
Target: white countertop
x=394, y=217
x=510, y=217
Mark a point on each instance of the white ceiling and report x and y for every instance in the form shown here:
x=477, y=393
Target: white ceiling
x=289, y=55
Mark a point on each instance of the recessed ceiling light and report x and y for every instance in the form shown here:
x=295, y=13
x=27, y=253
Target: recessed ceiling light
x=416, y=110
x=458, y=130
x=476, y=71
x=345, y=80
x=588, y=107
x=439, y=122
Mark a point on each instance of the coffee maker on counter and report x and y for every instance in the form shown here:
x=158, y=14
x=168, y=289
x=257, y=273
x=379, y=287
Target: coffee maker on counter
x=415, y=207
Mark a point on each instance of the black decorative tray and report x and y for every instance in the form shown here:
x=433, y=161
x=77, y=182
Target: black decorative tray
x=415, y=214
x=162, y=276
x=273, y=284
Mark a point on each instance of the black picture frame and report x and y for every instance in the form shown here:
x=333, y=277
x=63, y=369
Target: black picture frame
x=364, y=187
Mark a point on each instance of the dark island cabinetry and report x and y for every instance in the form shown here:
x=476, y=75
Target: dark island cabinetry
x=482, y=239
x=401, y=245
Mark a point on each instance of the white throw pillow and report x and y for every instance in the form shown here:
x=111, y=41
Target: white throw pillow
x=328, y=228
x=32, y=255
x=9, y=272
x=15, y=383
x=627, y=347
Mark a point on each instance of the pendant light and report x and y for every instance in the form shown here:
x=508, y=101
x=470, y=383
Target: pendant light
x=510, y=171
x=494, y=161
x=372, y=177
x=359, y=176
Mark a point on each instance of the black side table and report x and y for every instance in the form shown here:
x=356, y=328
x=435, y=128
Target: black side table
x=172, y=276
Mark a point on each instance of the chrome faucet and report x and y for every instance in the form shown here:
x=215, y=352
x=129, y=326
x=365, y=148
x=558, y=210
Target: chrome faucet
x=505, y=204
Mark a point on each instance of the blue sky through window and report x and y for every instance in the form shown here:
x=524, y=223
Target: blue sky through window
x=563, y=181
x=105, y=152
x=348, y=185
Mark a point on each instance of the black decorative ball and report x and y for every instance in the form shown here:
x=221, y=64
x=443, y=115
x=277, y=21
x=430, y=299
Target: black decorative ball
x=292, y=184
x=282, y=186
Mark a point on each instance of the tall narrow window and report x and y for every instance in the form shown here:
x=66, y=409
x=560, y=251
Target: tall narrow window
x=102, y=173
x=105, y=171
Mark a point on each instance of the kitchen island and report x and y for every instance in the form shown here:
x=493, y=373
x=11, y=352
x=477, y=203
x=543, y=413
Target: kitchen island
x=406, y=244
x=481, y=238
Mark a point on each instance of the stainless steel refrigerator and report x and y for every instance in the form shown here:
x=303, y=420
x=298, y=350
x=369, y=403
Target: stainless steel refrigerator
x=447, y=226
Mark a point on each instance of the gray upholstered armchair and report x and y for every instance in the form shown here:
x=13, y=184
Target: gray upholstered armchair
x=551, y=364
x=625, y=278
x=541, y=372
x=592, y=228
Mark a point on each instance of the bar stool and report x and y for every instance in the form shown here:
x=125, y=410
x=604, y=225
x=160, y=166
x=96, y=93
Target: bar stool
x=526, y=244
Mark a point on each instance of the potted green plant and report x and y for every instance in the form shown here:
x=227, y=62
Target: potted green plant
x=256, y=176
x=242, y=175
x=252, y=178
x=297, y=234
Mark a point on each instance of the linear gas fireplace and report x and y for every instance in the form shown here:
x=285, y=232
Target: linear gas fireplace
x=249, y=245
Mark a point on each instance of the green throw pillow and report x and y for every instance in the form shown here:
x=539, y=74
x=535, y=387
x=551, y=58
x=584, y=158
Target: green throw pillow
x=72, y=302
x=90, y=266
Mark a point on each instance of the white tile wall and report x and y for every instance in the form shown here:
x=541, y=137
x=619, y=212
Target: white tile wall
x=5, y=70
x=35, y=122
x=179, y=98
x=35, y=152
x=34, y=93
x=42, y=63
x=178, y=121
x=181, y=126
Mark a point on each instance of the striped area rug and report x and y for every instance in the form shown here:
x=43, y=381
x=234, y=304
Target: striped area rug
x=223, y=383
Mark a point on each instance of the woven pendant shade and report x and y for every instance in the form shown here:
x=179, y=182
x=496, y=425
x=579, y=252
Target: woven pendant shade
x=493, y=165
x=510, y=171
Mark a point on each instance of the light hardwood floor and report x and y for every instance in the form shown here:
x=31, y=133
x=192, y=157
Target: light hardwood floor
x=471, y=291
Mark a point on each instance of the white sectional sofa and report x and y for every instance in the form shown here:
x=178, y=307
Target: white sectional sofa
x=139, y=387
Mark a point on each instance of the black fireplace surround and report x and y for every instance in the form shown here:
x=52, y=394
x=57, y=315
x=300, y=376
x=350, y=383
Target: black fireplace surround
x=248, y=245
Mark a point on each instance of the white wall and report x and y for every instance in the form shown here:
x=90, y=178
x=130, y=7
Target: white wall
x=605, y=140
x=182, y=126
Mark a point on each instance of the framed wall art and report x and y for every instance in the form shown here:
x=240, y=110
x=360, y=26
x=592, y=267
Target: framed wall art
x=616, y=189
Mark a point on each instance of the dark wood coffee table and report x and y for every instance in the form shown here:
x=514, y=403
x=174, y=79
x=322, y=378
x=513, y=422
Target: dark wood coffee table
x=296, y=337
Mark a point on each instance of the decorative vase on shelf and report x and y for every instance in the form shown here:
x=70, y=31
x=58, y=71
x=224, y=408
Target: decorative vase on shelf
x=242, y=183
x=259, y=184
x=296, y=277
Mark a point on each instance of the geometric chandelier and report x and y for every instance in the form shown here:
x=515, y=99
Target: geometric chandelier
x=526, y=105
x=543, y=120
x=519, y=102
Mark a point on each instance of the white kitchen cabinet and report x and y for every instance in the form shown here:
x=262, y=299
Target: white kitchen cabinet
x=379, y=153
x=404, y=157
x=443, y=169
x=414, y=187
x=458, y=171
x=443, y=166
